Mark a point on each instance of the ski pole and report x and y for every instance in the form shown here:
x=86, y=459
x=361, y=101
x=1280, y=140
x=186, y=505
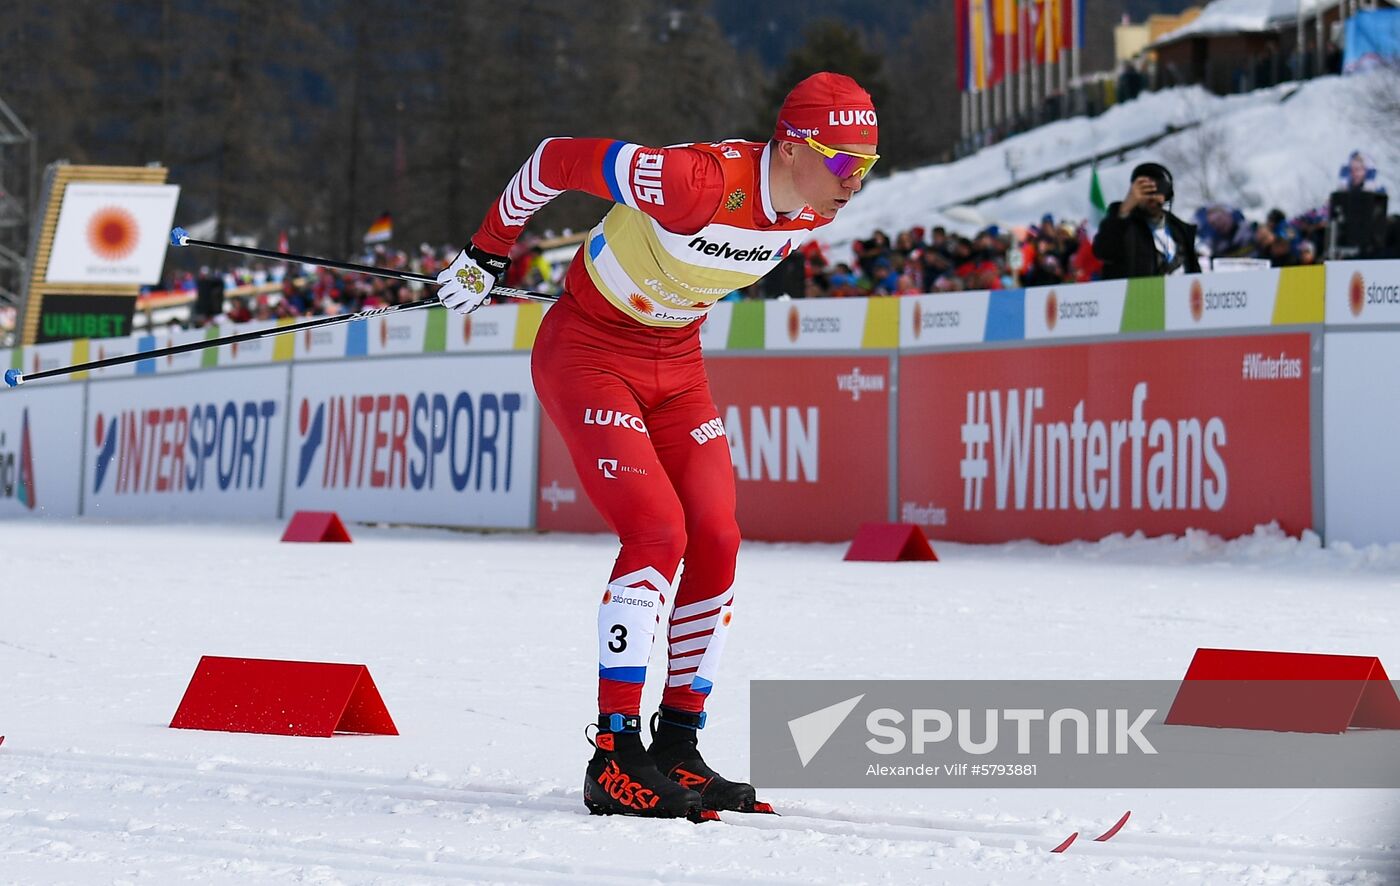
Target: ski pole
x=181, y=237
x=14, y=377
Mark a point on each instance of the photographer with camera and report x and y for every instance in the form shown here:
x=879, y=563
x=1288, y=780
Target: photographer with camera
x=1139, y=237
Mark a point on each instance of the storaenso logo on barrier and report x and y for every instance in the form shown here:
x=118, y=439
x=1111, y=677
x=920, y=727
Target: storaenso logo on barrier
x=409, y=441
x=1203, y=300
x=934, y=319
x=1360, y=294
x=958, y=734
x=185, y=448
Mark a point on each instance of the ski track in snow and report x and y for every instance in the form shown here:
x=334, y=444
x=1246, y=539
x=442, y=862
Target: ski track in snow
x=504, y=806
x=480, y=786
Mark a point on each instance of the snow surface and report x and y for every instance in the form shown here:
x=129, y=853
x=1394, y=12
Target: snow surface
x=483, y=648
x=1278, y=147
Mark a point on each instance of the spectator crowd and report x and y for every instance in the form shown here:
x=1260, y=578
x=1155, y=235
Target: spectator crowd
x=916, y=260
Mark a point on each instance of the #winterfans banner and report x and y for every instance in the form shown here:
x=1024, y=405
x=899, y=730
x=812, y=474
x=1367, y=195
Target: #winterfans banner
x=112, y=233
x=1079, y=442
x=445, y=440
x=808, y=436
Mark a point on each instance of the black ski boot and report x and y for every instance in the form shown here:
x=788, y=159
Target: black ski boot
x=623, y=780
x=674, y=736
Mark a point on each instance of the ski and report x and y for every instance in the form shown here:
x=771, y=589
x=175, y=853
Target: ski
x=1108, y=834
x=1101, y=838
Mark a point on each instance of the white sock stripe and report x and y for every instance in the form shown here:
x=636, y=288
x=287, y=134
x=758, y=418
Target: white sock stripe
x=685, y=662
x=700, y=625
x=704, y=606
x=679, y=679
x=647, y=574
x=692, y=644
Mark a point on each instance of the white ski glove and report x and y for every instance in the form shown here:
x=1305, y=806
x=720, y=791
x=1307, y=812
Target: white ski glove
x=466, y=283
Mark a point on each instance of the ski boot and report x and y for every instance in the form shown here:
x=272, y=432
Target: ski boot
x=674, y=736
x=623, y=780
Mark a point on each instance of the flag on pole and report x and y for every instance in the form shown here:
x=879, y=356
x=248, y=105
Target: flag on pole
x=382, y=231
x=980, y=39
x=1096, y=196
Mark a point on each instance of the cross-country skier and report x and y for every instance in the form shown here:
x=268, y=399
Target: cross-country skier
x=618, y=368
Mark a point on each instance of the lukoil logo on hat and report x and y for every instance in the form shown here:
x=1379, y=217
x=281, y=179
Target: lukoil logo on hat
x=831, y=108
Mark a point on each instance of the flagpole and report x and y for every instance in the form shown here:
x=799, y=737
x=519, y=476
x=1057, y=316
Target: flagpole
x=1006, y=53
x=1074, y=38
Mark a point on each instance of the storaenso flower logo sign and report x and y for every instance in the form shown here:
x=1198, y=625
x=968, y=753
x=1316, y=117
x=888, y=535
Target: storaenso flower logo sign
x=112, y=233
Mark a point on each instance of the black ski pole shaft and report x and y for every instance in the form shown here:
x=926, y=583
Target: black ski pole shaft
x=181, y=237
x=14, y=378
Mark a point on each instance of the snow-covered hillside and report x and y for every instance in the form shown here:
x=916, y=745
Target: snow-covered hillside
x=1280, y=147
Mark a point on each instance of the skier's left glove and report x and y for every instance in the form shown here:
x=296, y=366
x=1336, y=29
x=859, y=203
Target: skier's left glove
x=466, y=283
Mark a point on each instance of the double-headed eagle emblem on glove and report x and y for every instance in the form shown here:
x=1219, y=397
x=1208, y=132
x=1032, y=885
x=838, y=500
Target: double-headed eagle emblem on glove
x=473, y=279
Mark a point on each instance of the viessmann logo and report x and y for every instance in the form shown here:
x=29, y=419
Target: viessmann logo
x=17, y=467
x=856, y=382
x=555, y=495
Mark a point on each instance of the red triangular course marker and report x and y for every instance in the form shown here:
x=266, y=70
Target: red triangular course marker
x=887, y=542
x=1285, y=692
x=282, y=698
x=315, y=526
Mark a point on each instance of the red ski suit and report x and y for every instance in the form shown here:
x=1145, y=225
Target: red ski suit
x=618, y=368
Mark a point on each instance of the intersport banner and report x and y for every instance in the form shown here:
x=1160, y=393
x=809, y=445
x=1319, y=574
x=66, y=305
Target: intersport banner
x=808, y=436
x=171, y=446
x=41, y=430
x=447, y=440
x=1079, y=442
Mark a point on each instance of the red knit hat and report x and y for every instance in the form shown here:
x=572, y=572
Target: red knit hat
x=831, y=108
